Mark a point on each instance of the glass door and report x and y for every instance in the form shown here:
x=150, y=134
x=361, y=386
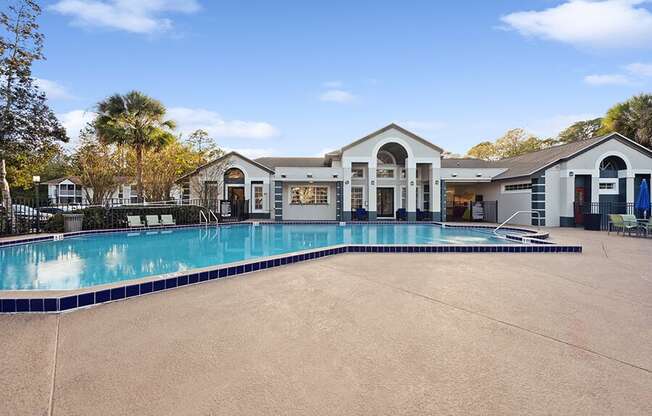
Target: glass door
x=385, y=202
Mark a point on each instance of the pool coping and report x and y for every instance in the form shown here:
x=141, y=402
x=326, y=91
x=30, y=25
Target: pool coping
x=64, y=300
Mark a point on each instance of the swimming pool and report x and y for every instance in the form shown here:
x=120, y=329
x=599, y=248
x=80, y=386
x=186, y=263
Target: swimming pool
x=97, y=259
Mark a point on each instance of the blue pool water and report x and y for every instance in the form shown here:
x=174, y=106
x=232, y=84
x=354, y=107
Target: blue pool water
x=105, y=258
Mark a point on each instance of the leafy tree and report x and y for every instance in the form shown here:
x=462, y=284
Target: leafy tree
x=581, y=130
x=514, y=142
x=162, y=167
x=201, y=141
x=98, y=166
x=632, y=118
x=137, y=121
x=28, y=128
x=484, y=150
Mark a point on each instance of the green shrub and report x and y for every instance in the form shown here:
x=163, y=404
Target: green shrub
x=104, y=218
x=54, y=224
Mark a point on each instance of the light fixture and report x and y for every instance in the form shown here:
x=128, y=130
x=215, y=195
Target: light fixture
x=571, y=173
x=411, y=183
x=309, y=175
x=454, y=175
x=478, y=175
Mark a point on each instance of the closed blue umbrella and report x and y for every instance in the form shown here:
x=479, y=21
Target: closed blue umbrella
x=643, y=200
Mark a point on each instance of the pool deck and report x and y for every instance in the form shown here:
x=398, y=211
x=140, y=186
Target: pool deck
x=358, y=334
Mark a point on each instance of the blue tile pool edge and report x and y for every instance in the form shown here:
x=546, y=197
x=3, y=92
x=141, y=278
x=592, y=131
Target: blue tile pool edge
x=161, y=283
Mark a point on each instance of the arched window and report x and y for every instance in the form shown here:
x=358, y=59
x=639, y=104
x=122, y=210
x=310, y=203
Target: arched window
x=385, y=158
x=234, y=173
x=612, y=163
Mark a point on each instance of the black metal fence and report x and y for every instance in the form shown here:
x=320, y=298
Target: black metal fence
x=604, y=209
x=480, y=211
x=27, y=216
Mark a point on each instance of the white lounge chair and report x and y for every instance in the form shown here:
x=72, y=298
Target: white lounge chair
x=167, y=219
x=152, y=220
x=134, y=221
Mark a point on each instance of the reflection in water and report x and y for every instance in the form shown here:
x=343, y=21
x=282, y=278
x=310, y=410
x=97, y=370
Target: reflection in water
x=98, y=259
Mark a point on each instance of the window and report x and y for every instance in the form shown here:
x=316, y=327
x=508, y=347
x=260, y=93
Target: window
x=357, y=173
x=234, y=173
x=356, y=197
x=607, y=185
x=515, y=187
x=384, y=173
x=258, y=197
x=309, y=195
x=385, y=158
x=403, y=174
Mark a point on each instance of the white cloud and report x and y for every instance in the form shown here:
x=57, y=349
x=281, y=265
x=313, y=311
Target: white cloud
x=552, y=126
x=640, y=69
x=253, y=153
x=337, y=96
x=74, y=121
x=136, y=16
x=191, y=119
x=607, y=79
x=422, y=125
x=52, y=89
x=597, y=24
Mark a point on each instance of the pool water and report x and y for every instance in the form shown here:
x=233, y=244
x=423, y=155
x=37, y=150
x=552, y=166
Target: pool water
x=106, y=258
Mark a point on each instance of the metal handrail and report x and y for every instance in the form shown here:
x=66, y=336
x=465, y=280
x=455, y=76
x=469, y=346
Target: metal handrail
x=202, y=216
x=515, y=214
x=212, y=214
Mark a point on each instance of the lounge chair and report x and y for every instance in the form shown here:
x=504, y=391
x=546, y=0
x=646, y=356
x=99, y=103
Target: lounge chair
x=631, y=223
x=134, y=221
x=167, y=220
x=617, y=222
x=152, y=220
x=361, y=214
x=401, y=214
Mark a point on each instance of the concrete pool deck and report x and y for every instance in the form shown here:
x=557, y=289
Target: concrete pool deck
x=358, y=334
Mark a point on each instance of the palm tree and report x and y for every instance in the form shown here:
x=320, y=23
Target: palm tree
x=135, y=120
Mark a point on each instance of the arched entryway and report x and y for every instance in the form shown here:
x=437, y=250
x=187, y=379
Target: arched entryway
x=234, y=184
x=391, y=181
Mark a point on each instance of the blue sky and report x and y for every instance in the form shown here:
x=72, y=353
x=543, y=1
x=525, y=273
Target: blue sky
x=300, y=78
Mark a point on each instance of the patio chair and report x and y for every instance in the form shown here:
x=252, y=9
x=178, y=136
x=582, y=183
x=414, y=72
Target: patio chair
x=631, y=223
x=361, y=214
x=134, y=221
x=401, y=214
x=167, y=219
x=152, y=220
x=646, y=228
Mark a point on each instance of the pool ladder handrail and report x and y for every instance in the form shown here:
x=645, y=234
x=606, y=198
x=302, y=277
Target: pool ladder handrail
x=538, y=215
x=206, y=219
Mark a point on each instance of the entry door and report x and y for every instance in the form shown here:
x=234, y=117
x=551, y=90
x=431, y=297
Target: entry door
x=579, y=201
x=385, y=202
x=236, y=193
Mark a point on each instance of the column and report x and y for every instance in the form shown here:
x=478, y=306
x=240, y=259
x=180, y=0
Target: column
x=567, y=201
x=346, y=194
x=411, y=169
x=595, y=188
x=629, y=196
x=371, y=187
x=435, y=192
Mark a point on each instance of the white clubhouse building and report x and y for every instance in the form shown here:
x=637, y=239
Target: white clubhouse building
x=393, y=173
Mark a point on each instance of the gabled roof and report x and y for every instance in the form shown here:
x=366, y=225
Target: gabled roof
x=530, y=163
x=219, y=159
x=389, y=127
x=77, y=180
x=292, y=162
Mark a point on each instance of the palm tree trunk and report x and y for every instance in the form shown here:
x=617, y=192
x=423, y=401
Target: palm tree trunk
x=139, y=172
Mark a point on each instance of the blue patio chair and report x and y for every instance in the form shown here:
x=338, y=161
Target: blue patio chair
x=401, y=214
x=361, y=214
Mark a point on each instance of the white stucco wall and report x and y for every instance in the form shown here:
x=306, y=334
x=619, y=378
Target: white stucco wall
x=309, y=212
